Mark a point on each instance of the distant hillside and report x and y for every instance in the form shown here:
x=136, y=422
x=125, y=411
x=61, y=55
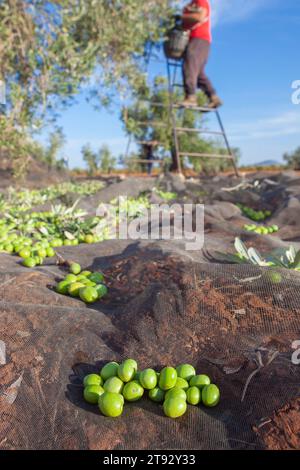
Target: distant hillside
x=268, y=163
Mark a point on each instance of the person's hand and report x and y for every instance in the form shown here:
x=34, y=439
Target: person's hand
x=202, y=19
x=199, y=17
x=196, y=16
x=193, y=9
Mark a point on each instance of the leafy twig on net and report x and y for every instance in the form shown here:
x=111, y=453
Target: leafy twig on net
x=260, y=365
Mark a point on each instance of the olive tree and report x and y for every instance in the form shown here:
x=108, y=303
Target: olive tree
x=50, y=49
x=91, y=158
x=107, y=161
x=293, y=159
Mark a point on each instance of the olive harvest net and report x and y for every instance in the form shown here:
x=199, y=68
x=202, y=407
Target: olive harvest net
x=232, y=322
x=226, y=320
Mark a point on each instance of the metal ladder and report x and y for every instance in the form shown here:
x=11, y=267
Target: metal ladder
x=172, y=68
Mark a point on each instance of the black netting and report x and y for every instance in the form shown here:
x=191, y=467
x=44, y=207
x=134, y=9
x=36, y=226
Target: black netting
x=165, y=306
x=219, y=318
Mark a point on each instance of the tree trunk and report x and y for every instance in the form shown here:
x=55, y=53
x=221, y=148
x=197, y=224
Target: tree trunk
x=174, y=165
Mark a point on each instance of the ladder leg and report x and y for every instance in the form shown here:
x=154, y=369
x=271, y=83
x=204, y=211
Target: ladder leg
x=128, y=146
x=173, y=119
x=227, y=143
x=174, y=78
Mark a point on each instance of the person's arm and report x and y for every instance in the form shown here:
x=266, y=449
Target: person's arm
x=193, y=18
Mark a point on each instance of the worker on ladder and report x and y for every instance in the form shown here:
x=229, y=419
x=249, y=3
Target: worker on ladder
x=197, y=20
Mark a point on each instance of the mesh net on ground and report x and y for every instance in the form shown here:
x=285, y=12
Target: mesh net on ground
x=165, y=306
x=162, y=309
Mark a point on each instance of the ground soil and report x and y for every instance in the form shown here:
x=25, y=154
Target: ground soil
x=282, y=430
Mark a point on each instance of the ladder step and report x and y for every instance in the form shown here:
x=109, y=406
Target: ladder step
x=155, y=104
x=204, y=109
x=158, y=105
x=205, y=155
x=152, y=123
x=200, y=131
x=149, y=142
x=175, y=64
x=146, y=161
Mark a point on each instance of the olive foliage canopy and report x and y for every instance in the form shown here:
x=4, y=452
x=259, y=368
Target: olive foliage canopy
x=50, y=49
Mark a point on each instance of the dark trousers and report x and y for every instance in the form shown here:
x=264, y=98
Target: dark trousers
x=195, y=59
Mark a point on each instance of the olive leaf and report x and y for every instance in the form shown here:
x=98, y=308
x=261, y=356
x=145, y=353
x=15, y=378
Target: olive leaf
x=43, y=230
x=241, y=248
x=11, y=393
x=255, y=257
x=296, y=262
x=281, y=257
x=69, y=235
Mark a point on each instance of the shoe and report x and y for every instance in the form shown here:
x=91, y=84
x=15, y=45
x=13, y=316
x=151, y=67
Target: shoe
x=190, y=100
x=215, y=102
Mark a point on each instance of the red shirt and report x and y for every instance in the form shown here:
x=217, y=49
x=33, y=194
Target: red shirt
x=204, y=30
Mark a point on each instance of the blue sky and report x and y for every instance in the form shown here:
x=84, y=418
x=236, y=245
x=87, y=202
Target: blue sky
x=254, y=60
